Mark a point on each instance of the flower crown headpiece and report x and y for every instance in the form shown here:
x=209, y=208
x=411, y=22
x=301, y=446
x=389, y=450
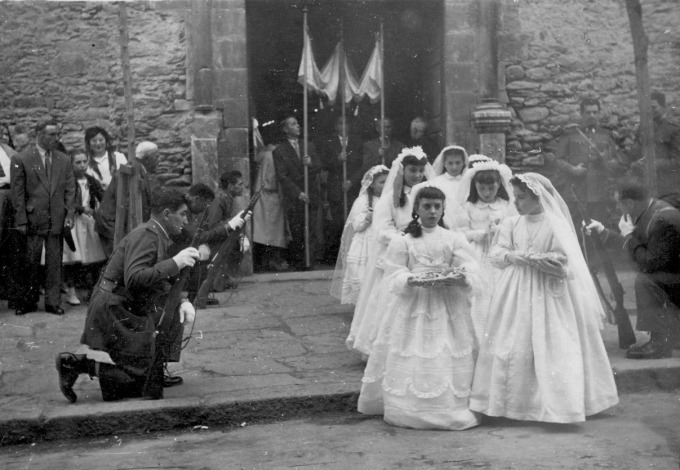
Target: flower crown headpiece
x=416, y=151
x=367, y=180
x=533, y=184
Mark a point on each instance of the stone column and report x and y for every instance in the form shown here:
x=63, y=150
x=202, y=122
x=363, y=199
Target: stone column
x=490, y=118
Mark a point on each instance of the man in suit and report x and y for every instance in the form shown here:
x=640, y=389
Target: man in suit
x=375, y=153
x=146, y=162
x=342, y=146
x=289, y=162
x=419, y=138
x=43, y=193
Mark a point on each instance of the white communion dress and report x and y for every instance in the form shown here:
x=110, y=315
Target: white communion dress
x=542, y=357
x=420, y=370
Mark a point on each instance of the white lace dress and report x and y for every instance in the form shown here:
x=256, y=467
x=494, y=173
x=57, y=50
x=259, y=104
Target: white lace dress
x=454, y=218
x=359, y=250
x=481, y=222
x=420, y=371
x=388, y=223
x=542, y=358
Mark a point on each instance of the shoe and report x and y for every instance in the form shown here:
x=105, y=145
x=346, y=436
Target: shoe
x=228, y=285
x=653, y=349
x=55, y=309
x=212, y=301
x=72, y=297
x=172, y=380
x=70, y=366
x=24, y=309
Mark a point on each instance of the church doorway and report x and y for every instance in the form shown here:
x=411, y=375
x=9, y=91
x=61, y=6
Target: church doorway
x=413, y=31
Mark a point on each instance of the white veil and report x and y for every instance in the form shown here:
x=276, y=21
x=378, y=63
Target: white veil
x=481, y=165
x=438, y=163
x=584, y=295
x=348, y=230
x=395, y=178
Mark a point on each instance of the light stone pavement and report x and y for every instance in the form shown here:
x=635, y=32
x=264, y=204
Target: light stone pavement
x=272, y=349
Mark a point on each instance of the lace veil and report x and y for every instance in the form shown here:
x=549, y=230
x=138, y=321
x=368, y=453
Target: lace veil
x=348, y=230
x=438, y=164
x=584, y=294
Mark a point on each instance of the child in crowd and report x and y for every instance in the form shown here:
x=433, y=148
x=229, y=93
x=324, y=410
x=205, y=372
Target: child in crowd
x=542, y=358
x=486, y=190
x=391, y=215
x=357, y=238
x=450, y=166
x=89, y=253
x=420, y=369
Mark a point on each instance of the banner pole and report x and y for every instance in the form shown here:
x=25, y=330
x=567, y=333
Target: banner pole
x=382, y=90
x=305, y=140
x=344, y=121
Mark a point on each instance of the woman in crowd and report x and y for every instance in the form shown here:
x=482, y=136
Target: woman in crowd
x=103, y=161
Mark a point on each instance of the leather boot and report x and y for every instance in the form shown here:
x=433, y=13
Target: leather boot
x=659, y=346
x=70, y=366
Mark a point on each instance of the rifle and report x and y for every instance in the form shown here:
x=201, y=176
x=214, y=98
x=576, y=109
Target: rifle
x=220, y=257
x=622, y=321
x=10, y=142
x=162, y=338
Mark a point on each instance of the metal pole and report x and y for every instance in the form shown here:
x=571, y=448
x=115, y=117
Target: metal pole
x=382, y=89
x=305, y=141
x=344, y=122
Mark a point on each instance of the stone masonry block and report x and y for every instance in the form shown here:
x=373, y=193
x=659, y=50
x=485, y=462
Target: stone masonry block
x=458, y=15
x=233, y=144
x=229, y=23
x=231, y=84
x=461, y=77
x=230, y=53
x=459, y=47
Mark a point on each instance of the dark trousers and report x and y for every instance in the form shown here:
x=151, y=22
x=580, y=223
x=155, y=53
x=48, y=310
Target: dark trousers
x=657, y=296
x=53, y=253
x=295, y=216
x=126, y=379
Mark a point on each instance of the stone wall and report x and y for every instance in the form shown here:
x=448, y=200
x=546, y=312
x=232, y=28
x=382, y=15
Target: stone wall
x=565, y=50
x=63, y=59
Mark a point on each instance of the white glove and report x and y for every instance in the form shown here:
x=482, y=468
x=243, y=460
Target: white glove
x=203, y=252
x=236, y=222
x=594, y=225
x=187, y=313
x=477, y=236
x=626, y=225
x=516, y=257
x=245, y=247
x=186, y=258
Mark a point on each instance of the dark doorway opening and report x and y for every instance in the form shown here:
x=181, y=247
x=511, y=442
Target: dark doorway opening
x=413, y=56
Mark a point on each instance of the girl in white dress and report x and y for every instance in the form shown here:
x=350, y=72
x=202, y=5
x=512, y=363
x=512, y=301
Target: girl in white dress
x=357, y=238
x=89, y=254
x=543, y=358
x=391, y=215
x=486, y=191
x=450, y=167
x=420, y=371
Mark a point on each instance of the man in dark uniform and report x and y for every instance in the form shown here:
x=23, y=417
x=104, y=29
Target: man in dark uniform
x=127, y=308
x=666, y=149
x=342, y=146
x=585, y=158
x=650, y=230
x=289, y=161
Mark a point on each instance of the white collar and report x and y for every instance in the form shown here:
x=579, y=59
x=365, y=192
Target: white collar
x=452, y=178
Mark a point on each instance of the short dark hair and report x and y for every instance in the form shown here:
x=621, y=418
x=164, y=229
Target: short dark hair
x=43, y=123
x=659, y=98
x=201, y=190
x=632, y=189
x=284, y=121
x=590, y=102
x=166, y=197
x=230, y=177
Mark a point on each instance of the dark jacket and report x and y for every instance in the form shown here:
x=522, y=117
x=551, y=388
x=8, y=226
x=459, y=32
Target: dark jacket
x=39, y=204
x=290, y=171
